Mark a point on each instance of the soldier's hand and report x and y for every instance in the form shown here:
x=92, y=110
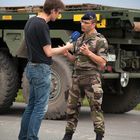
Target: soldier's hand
x=84, y=49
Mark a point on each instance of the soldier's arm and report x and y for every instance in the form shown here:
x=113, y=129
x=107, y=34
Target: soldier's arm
x=100, y=58
x=95, y=58
x=69, y=56
x=102, y=48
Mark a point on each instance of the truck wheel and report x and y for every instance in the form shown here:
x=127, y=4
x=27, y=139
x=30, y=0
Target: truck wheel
x=8, y=81
x=61, y=81
x=125, y=101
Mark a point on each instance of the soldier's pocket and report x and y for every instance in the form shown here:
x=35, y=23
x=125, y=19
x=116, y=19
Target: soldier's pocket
x=98, y=93
x=97, y=88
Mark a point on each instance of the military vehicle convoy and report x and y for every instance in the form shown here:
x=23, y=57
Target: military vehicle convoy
x=121, y=77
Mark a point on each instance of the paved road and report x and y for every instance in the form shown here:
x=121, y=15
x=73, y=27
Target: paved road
x=118, y=127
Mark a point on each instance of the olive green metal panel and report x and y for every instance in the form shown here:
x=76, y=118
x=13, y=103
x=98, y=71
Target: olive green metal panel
x=69, y=15
x=13, y=39
x=62, y=34
x=128, y=41
x=16, y=16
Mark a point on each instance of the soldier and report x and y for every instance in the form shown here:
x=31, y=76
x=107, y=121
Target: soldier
x=89, y=56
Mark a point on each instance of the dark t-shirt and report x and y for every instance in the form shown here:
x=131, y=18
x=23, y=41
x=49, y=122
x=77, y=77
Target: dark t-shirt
x=37, y=36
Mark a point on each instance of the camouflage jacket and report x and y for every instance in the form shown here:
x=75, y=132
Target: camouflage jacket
x=97, y=44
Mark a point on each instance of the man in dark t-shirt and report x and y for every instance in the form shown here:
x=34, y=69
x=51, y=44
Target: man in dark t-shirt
x=38, y=72
x=37, y=36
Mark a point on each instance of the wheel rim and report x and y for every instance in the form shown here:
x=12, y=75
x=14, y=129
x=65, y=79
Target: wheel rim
x=124, y=79
x=55, y=85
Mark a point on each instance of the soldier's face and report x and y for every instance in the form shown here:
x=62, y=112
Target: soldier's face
x=87, y=25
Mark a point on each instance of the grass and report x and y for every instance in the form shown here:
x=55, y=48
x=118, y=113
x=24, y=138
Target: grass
x=20, y=98
x=85, y=103
x=137, y=107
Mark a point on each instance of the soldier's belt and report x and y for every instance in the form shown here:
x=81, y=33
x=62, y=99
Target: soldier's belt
x=85, y=72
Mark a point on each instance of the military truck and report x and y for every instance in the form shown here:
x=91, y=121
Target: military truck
x=121, y=77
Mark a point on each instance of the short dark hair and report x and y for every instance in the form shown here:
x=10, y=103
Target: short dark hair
x=53, y=4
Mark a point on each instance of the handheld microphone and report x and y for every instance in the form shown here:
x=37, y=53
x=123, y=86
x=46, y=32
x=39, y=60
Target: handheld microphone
x=74, y=36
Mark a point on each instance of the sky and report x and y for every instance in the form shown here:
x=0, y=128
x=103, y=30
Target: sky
x=133, y=4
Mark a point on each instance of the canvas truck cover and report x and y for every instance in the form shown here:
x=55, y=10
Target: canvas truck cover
x=135, y=4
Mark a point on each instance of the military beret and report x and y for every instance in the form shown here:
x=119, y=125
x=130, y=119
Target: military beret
x=89, y=16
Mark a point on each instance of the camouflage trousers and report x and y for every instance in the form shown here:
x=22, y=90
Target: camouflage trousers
x=89, y=86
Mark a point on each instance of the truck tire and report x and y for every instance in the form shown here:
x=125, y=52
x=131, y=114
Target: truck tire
x=61, y=81
x=8, y=81
x=124, y=101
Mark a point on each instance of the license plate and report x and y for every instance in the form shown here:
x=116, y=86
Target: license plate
x=111, y=57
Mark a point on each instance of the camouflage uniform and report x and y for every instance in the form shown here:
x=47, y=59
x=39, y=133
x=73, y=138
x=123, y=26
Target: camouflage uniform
x=87, y=81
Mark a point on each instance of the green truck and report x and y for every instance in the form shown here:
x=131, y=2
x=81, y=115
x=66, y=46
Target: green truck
x=121, y=77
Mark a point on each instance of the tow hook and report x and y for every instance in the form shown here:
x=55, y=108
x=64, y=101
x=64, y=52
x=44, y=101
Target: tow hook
x=124, y=79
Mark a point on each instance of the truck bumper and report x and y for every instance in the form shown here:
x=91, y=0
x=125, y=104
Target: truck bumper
x=117, y=75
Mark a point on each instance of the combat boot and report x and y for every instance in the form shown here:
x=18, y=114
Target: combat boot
x=99, y=136
x=68, y=136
